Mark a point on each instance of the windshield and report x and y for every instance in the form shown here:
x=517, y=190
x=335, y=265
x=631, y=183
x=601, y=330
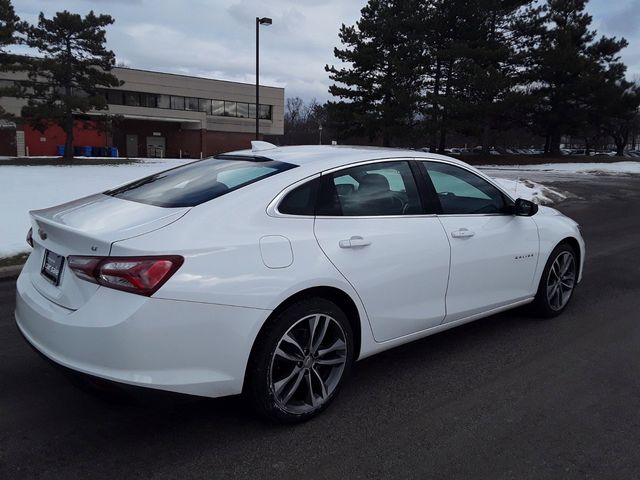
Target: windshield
x=198, y=182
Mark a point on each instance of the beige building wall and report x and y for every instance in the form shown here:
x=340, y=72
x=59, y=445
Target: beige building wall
x=182, y=85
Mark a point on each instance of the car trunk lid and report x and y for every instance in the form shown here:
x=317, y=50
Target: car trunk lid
x=87, y=226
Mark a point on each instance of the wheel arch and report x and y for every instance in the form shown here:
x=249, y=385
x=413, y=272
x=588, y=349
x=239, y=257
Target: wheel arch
x=337, y=296
x=573, y=243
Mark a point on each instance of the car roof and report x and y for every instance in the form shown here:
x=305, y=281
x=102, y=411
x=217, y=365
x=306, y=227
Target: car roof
x=323, y=157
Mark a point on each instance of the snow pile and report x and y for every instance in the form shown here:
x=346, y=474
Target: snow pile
x=24, y=188
x=529, y=190
x=613, y=168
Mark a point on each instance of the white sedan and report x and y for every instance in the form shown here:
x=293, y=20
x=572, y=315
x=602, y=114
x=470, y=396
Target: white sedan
x=270, y=271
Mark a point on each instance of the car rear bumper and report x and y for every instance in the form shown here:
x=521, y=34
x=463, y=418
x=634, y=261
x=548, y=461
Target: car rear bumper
x=185, y=347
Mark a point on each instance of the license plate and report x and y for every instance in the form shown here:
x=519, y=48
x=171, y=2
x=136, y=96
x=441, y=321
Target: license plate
x=52, y=267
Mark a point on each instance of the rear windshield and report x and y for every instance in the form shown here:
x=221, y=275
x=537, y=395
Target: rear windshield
x=198, y=182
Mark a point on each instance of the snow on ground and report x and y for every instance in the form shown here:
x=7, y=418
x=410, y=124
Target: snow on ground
x=614, y=168
x=24, y=188
x=530, y=190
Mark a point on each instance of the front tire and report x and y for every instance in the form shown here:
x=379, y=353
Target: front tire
x=300, y=361
x=558, y=282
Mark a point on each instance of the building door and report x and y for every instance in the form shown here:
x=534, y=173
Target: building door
x=155, y=147
x=20, y=145
x=132, y=145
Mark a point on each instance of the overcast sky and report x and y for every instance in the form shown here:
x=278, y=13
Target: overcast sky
x=216, y=38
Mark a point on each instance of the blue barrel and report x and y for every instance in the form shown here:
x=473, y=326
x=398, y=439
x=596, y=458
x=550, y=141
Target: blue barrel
x=114, y=151
x=60, y=150
x=86, y=151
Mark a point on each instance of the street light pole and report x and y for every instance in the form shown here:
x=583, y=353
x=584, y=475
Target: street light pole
x=259, y=21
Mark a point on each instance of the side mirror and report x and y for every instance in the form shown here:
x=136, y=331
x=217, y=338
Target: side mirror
x=525, y=208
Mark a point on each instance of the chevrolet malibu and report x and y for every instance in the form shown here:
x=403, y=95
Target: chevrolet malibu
x=270, y=271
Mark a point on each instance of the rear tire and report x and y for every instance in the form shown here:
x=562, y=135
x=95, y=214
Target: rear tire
x=558, y=282
x=300, y=361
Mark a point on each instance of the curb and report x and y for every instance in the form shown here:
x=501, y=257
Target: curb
x=10, y=273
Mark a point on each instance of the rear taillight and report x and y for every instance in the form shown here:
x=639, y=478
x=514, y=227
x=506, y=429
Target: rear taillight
x=30, y=237
x=141, y=275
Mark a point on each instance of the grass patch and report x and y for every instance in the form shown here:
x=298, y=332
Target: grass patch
x=18, y=259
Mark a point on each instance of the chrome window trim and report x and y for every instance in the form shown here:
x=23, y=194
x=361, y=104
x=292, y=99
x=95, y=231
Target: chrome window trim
x=272, y=208
x=483, y=176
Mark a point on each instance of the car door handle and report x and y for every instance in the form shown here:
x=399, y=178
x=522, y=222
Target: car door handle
x=462, y=233
x=355, y=241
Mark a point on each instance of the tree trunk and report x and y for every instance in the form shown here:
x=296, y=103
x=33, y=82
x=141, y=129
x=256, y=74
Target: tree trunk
x=546, y=144
x=554, y=143
x=68, y=122
x=435, y=107
x=486, y=131
x=443, y=125
x=68, y=143
x=587, y=147
x=386, y=139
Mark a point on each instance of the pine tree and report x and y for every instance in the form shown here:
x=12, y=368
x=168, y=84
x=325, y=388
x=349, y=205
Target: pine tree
x=487, y=67
x=66, y=79
x=10, y=29
x=563, y=62
x=380, y=86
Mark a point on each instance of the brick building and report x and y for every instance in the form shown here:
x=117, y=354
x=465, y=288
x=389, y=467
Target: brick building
x=160, y=115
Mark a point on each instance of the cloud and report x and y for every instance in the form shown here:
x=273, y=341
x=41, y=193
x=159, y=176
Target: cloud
x=216, y=38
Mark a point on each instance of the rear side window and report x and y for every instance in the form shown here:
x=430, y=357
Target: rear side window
x=198, y=182
x=301, y=200
x=375, y=189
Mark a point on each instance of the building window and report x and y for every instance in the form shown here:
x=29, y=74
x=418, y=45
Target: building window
x=114, y=97
x=177, y=103
x=132, y=99
x=148, y=100
x=265, y=112
x=243, y=110
x=163, y=101
x=252, y=110
x=204, y=105
x=217, y=107
x=191, y=104
x=229, y=109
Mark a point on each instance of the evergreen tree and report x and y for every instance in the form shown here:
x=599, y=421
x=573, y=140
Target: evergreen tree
x=487, y=67
x=563, y=61
x=10, y=28
x=66, y=79
x=380, y=86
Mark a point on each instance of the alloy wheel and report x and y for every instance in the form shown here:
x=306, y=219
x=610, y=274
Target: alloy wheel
x=561, y=280
x=308, y=363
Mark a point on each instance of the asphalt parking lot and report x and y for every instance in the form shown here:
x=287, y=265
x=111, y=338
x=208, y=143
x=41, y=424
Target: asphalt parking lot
x=509, y=396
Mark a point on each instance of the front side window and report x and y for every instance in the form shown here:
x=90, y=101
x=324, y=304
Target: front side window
x=375, y=189
x=461, y=192
x=198, y=182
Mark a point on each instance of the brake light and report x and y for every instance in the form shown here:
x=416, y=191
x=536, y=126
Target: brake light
x=30, y=237
x=140, y=275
